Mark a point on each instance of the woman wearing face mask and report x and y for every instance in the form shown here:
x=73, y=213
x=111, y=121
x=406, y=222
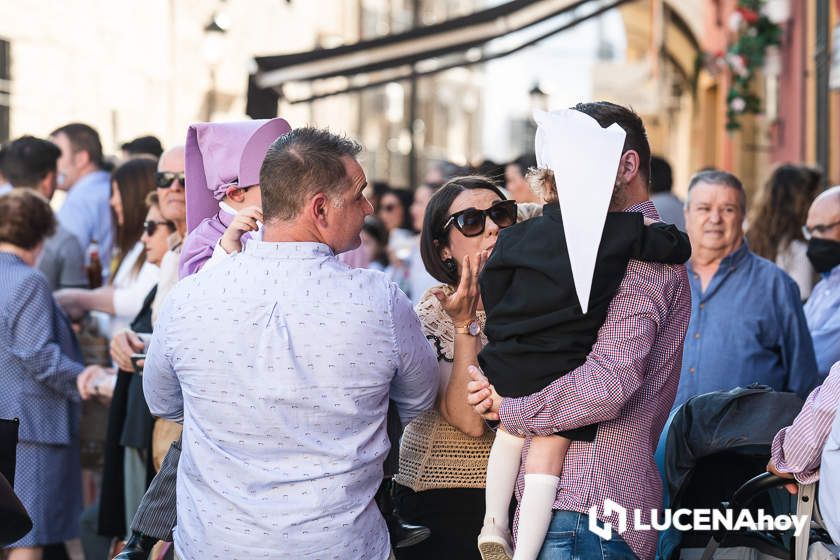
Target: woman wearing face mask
x=135, y=275
x=129, y=435
x=42, y=379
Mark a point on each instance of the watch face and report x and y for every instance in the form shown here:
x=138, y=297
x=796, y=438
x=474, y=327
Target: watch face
x=473, y=328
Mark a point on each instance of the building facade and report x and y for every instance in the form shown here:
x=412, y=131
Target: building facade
x=153, y=67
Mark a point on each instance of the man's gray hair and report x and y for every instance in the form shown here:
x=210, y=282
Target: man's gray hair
x=717, y=177
x=300, y=164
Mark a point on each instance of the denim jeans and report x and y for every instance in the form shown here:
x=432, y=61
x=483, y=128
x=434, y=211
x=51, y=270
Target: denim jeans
x=569, y=538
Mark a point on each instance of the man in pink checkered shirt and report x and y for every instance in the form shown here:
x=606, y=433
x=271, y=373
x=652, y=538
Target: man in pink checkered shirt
x=627, y=386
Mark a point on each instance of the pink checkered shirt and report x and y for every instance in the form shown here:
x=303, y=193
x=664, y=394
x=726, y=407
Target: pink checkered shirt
x=798, y=448
x=627, y=386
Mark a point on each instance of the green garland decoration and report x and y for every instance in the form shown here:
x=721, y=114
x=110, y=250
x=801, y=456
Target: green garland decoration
x=745, y=56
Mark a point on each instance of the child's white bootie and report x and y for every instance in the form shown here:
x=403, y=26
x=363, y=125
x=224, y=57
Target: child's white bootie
x=494, y=542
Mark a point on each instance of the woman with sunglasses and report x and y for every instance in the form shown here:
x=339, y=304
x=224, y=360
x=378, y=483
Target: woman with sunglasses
x=131, y=182
x=443, y=456
x=128, y=466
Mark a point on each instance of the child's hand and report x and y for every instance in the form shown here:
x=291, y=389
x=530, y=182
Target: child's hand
x=482, y=396
x=244, y=221
x=461, y=305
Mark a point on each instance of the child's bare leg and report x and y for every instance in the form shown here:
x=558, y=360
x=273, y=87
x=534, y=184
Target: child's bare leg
x=543, y=466
x=546, y=455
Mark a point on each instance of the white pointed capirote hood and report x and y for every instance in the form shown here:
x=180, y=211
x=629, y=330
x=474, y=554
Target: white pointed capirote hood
x=584, y=158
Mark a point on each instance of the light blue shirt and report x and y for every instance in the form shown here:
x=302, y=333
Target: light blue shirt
x=86, y=213
x=281, y=360
x=746, y=327
x=670, y=208
x=822, y=310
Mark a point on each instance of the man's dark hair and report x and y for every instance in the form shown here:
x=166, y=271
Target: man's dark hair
x=433, y=237
x=717, y=177
x=300, y=164
x=143, y=145
x=28, y=160
x=83, y=138
x=661, y=177
x=607, y=113
x=524, y=163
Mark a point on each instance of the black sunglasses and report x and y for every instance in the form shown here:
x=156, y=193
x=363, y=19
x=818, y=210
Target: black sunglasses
x=470, y=222
x=163, y=179
x=150, y=226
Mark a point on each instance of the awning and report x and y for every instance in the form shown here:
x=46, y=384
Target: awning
x=423, y=51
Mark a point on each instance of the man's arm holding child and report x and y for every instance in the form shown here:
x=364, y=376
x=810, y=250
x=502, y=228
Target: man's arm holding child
x=614, y=369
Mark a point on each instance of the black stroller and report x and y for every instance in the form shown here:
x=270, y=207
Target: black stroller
x=716, y=453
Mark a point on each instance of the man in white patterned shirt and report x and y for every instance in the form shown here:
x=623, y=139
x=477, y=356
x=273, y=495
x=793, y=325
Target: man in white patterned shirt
x=284, y=399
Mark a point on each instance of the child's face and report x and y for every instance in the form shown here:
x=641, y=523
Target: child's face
x=253, y=197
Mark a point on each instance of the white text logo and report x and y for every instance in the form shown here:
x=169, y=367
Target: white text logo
x=693, y=519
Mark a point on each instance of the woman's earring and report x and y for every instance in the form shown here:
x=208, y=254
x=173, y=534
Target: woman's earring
x=451, y=266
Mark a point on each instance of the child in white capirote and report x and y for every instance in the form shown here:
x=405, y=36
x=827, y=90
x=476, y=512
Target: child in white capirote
x=537, y=331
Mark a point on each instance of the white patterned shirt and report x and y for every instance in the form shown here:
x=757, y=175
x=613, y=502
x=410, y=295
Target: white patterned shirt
x=281, y=361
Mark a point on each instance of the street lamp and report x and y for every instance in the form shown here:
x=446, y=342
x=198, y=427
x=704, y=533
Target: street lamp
x=214, y=42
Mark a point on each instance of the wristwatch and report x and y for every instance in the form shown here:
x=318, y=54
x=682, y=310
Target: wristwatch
x=472, y=328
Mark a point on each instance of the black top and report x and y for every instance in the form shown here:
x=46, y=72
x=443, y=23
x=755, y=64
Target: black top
x=139, y=422
x=536, y=329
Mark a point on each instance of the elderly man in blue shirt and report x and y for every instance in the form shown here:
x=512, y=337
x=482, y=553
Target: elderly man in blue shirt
x=747, y=324
x=822, y=310
x=86, y=211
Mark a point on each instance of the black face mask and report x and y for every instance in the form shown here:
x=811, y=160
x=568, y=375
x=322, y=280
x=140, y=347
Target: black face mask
x=824, y=254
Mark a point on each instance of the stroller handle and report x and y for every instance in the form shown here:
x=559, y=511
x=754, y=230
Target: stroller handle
x=755, y=486
x=742, y=497
x=747, y=493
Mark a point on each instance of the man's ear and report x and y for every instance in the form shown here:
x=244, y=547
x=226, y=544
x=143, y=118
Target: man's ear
x=235, y=194
x=318, y=206
x=46, y=186
x=628, y=166
x=81, y=158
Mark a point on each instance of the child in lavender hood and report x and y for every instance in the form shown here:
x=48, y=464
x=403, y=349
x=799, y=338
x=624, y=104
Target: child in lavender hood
x=224, y=205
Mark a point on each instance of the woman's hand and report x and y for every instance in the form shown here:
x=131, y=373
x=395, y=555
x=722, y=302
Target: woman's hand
x=68, y=300
x=123, y=345
x=462, y=304
x=84, y=381
x=244, y=221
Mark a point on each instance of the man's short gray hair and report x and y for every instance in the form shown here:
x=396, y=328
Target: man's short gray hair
x=300, y=164
x=717, y=177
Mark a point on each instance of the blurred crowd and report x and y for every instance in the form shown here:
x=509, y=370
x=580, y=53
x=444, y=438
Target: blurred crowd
x=764, y=276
